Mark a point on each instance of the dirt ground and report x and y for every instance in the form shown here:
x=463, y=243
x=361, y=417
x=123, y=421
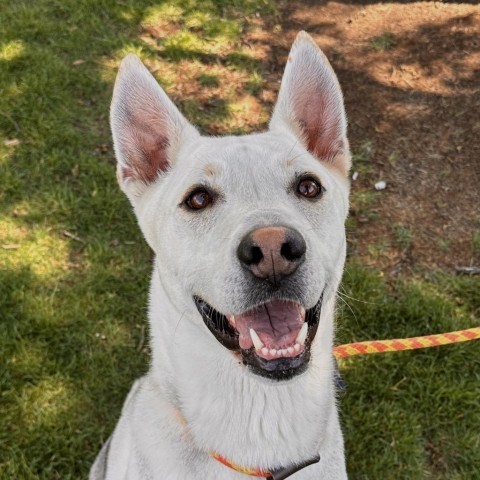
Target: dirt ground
x=410, y=73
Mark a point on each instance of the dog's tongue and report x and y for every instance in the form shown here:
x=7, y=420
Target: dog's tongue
x=277, y=323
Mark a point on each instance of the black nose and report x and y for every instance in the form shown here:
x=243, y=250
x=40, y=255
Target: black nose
x=272, y=253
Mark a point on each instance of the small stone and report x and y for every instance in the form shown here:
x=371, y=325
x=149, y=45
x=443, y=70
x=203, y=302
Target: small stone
x=12, y=142
x=381, y=185
x=11, y=246
x=354, y=176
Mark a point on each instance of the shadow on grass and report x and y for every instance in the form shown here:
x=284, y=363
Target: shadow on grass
x=70, y=353
x=235, y=59
x=383, y=2
x=70, y=337
x=412, y=409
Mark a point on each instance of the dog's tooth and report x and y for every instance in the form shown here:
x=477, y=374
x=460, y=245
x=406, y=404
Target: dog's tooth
x=256, y=339
x=302, y=334
x=283, y=352
x=273, y=351
x=265, y=350
x=296, y=347
x=290, y=350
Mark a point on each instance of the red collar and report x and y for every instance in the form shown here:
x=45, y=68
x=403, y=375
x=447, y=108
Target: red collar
x=253, y=472
x=278, y=474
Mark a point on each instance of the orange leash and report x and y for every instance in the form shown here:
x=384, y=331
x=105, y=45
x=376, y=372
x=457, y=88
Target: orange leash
x=400, y=344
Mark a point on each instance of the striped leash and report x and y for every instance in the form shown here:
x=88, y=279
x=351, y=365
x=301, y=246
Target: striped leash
x=400, y=344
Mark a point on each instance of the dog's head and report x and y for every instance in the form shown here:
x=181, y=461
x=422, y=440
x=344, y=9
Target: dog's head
x=248, y=231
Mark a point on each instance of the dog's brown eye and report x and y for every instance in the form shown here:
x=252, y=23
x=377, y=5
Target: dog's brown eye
x=308, y=187
x=199, y=199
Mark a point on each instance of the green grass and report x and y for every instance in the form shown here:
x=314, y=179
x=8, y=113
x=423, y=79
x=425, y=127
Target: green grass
x=476, y=242
x=383, y=42
x=74, y=269
x=207, y=80
x=403, y=235
x=411, y=414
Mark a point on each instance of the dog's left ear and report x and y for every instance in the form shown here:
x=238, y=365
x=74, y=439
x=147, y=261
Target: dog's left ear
x=310, y=103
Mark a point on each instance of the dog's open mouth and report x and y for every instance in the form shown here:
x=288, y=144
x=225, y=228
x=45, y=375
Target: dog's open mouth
x=273, y=339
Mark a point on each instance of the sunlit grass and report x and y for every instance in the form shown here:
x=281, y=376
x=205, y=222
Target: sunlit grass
x=33, y=247
x=11, y=50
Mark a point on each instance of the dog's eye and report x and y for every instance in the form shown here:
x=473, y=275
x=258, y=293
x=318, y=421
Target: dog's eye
x=309, y=187
x=199, y=199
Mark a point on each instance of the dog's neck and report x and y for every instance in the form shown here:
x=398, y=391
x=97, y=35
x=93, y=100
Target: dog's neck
x=225, y=405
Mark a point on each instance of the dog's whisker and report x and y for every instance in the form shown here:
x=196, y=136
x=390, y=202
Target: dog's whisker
x=176, y=326
x=349, y=307
x=355, y=299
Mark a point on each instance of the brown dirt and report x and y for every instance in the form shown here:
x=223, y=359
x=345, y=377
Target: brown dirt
x=410, y=73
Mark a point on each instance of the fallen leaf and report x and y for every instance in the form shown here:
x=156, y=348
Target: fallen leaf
x=71, y=235
x=18, y=212
x=11, y=246
x=13, y=142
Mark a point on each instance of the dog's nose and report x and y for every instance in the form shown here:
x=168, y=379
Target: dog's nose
x=272, y=253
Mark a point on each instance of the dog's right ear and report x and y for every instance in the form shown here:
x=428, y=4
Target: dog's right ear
x=147, y=127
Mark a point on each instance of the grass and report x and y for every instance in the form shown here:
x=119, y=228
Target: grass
x=383, y=42
x=74, y=269
x=443, y=245
x=403, y=235
x=476, y=242
x=409, y=414
x=207, y=80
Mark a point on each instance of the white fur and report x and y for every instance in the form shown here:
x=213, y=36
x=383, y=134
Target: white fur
x=246, y=418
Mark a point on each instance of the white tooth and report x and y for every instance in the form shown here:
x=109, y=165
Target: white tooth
x=273, y=351
x=265, y=350
x=256, y=339
x=302, y=334
x=283, y=352
x=296, y=347
x=290, y=350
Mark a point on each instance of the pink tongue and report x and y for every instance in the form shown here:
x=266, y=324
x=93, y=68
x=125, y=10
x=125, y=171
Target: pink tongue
x=277, y=323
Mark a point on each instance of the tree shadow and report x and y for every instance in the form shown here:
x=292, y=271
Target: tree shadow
x=414, y=100
x=353, y=3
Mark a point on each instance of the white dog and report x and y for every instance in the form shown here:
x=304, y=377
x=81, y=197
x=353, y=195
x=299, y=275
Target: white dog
x=249, y=241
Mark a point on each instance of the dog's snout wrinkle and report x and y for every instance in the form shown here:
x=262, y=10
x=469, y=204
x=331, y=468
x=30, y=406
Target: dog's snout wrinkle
x=272, y=253
x=273, y=269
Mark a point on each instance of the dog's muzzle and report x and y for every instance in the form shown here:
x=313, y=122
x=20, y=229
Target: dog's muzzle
x=273, y=339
